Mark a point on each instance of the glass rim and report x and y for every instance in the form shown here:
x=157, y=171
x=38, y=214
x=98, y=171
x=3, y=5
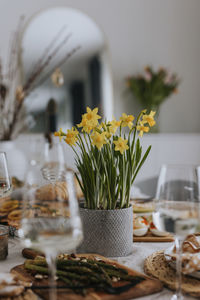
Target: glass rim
x=180, y=165
x=4, y=230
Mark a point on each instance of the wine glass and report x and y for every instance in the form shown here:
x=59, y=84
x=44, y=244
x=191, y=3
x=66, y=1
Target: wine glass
x=50, y=221
x=177, y=207
x=36, y=155
x=54, y=162
x=5, y=182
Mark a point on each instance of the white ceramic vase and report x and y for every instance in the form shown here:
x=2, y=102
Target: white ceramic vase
x=17, y=162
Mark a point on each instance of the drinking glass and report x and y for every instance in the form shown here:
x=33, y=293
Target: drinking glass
x=50, y=221
x=35, y=155
x=177, y=207
x=5, y=182
x=54, y=165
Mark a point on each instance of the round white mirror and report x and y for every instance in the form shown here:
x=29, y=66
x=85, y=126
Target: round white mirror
x=86, y=73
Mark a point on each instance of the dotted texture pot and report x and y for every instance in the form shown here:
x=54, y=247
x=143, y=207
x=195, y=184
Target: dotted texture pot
x=107, y=232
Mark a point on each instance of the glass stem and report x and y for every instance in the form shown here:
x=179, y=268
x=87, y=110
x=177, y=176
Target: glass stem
x=51, y=261
x=179, y=244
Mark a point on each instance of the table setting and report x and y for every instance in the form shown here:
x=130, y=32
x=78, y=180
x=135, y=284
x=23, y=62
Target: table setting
x=83, y=234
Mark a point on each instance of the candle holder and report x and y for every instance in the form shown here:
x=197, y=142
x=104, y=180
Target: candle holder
x=4, y=231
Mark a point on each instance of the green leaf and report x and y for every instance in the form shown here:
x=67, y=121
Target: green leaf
x=141, y=163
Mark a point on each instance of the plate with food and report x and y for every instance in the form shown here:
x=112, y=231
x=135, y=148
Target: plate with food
x=144, y=230
x=11, y=287
x=85, y=276
x=190, y=256
x=143, y=206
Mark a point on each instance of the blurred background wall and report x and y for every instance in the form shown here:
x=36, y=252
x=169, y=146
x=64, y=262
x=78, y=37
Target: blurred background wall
x=139, y=32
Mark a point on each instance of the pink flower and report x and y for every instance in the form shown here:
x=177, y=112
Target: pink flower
x=169, y=78
x=147, y=76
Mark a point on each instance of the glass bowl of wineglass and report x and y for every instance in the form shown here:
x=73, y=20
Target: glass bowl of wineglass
x=5, y=181
x=54, y=165
x=177, y=205
x=50, y=221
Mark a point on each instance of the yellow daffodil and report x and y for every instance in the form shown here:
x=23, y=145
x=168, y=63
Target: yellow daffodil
x=60, y=134
x=127, y=120
x=91, y=115
x=98, y=139
x=89, y=120
x=101, y=126
x=141, y=128
x=113, y=125
x=71, y=136
x=121, y=145
x=86, y=126
x=108, y=148
x=149, y=119
x=144, y=111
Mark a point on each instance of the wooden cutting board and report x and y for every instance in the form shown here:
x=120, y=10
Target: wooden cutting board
x=146, y=287
x=149, y=237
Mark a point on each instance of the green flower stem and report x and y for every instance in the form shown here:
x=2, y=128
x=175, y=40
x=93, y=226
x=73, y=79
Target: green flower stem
x=106, y=175
x=133, y=141
x=81, y=143
x=107, y=181
x=86, y=141
x=141, y=163
x=120, y=129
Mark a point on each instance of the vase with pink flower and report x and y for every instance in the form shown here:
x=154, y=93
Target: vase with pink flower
x=152, y=88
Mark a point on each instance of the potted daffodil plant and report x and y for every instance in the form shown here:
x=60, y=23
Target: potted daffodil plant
x=108, y=158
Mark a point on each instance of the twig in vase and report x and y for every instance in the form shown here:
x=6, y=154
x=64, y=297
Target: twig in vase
x=47, y=50
x=68, y=55
x=44, y=64
x=12, y=92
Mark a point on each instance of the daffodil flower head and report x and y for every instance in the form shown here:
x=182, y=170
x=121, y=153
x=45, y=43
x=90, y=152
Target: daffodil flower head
x=86, y=125
x=113, y=125
x=149, y=119
x=60, y=134
x=142, y=128
x=92, y=114
x=121, y=145
x=71, y=136
x=127, y=120
x=101, y=126
x=89, y=120
x=99, y=139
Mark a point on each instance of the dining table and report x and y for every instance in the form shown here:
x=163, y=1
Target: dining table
x=140, y=251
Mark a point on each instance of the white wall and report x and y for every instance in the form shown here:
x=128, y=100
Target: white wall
x=139, y=32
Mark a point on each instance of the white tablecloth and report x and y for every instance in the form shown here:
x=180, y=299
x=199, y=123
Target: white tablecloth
x=134, y=261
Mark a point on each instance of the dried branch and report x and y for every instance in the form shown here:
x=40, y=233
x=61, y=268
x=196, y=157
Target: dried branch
x=12, y=92
x=47, y=50
x=60, y=63
x=46, y=62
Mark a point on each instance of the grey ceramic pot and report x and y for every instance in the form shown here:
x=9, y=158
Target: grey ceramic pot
x=107, y=232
